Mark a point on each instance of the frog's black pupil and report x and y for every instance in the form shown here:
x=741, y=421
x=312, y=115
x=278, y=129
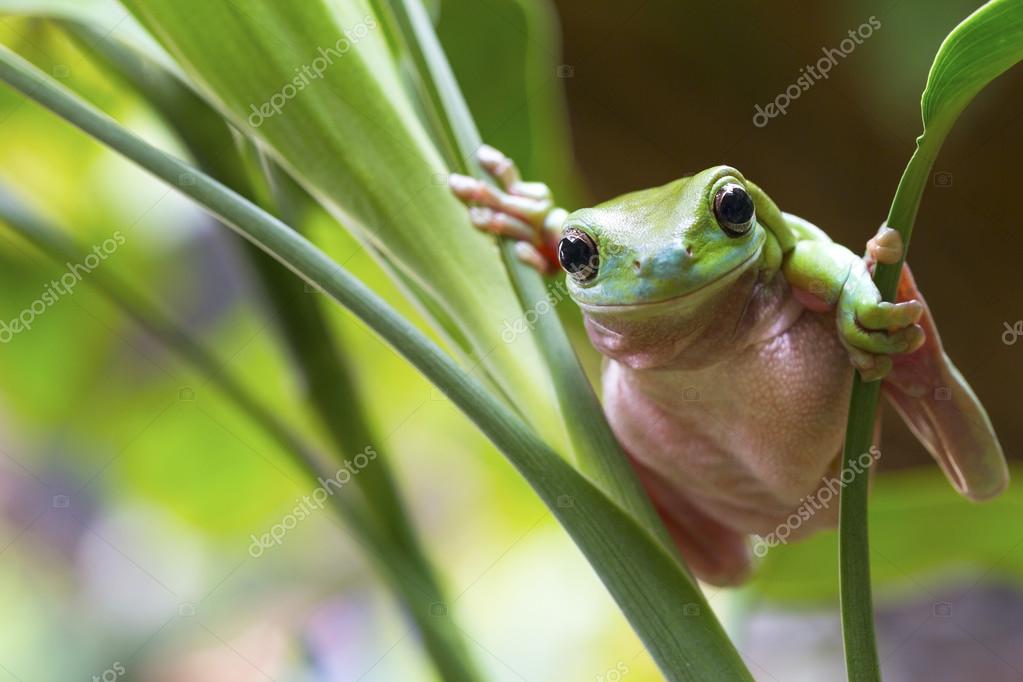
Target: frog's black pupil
x=578, y=255
x=734, y=206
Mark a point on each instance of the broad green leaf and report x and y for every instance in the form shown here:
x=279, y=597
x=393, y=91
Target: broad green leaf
x=316, y=83
x=104, y=16
x=978, y=50
x=659, y=598
x=985, y=45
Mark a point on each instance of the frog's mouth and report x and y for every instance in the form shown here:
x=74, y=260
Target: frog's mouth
x=673, y=305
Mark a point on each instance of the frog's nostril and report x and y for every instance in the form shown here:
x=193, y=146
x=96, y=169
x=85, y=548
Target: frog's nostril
x=637, y=266
x=689, y=249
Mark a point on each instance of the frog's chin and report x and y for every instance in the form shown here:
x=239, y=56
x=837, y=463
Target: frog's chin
x=690, y=330
x=677, y=305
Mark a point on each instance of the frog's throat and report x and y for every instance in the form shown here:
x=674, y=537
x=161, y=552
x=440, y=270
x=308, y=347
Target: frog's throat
x=676, y=304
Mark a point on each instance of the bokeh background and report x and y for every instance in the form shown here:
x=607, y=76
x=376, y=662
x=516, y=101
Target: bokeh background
x=130, y=490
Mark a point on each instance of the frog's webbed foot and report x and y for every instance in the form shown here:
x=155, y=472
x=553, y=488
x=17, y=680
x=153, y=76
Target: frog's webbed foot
x=522, y=211
x=870, y=328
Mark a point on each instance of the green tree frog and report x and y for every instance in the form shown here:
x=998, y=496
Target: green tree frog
x=730, y=331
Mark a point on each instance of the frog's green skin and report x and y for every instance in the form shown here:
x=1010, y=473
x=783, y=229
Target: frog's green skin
x=729, y=358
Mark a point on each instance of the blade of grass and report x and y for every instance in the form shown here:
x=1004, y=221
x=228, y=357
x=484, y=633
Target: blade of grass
x=660, y=600
x=148, y=315
x=593, y=442
x=314, y=351
x=978, y=50
x=332, y=391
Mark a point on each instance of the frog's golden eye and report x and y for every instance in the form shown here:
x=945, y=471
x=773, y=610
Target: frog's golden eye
x=578, y=255
x=734, y=210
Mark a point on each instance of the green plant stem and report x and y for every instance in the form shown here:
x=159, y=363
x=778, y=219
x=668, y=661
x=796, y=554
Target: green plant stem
x=332, y=391
x=854, y=544
x=594, y=444
x=647, y=582
x=981, y=48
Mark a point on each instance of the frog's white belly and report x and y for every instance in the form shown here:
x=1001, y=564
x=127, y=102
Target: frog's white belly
x=744, y=440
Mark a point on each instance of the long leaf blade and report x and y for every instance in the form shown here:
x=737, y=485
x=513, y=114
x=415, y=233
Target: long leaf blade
x=329, y=104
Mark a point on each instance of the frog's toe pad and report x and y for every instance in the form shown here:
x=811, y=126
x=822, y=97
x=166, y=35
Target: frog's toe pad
x=886, y=246
x=890, y=316
x=878, y=342
x=871, y=367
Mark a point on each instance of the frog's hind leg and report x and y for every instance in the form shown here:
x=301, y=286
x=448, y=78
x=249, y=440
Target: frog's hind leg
x=935, y=401
x=715, y=553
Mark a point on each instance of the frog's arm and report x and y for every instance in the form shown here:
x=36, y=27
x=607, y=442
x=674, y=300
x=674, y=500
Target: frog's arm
x=522, y=211
x=826, y=275
x=926, y=389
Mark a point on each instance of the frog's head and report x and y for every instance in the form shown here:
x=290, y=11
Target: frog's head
x=665, y=254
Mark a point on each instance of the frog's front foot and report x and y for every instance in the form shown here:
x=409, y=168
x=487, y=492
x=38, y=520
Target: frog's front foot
x=885, y=247
x=523, y=211
x=870, y=328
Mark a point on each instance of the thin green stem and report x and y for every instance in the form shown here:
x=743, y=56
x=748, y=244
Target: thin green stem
x=854, y=544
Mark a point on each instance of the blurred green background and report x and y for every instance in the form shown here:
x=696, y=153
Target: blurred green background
x=130, y=490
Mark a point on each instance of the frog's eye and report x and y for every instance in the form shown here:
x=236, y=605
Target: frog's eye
x=578, y=255
x=733, y=208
